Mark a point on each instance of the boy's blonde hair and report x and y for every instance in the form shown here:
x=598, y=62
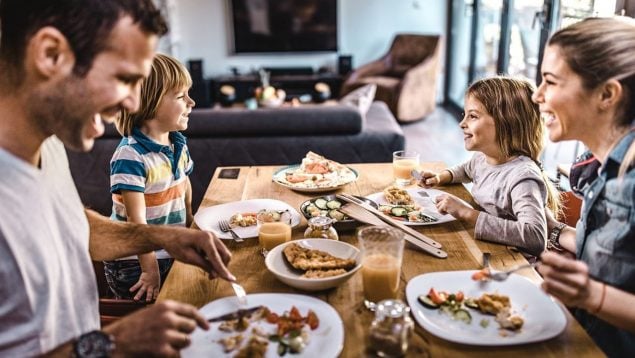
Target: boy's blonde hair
x=519, y=127
x=166, y=74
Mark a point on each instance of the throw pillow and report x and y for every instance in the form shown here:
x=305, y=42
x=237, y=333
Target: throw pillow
x=360, y=98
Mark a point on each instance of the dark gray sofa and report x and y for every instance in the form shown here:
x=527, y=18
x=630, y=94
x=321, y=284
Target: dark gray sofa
x=239, y=137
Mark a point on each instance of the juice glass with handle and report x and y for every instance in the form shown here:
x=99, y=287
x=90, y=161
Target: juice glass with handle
x=403, y=162
x=382, y=254
x=274, y=228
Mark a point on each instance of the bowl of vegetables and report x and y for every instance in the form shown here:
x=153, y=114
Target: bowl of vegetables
x=328, y=206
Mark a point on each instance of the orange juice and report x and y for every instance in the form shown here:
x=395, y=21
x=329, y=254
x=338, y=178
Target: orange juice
x=403, y=167
x=380, y=274
x=272, y=234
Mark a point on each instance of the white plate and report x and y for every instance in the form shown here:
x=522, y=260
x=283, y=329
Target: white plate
x=325, y=341
x=427, y=204
x=207, y=218
x=278, y=265
x=279, y=177
x=544, y=318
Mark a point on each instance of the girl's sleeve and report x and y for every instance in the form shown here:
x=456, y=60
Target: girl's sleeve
x=127, y=171
x=528, y=231
x=462, y=173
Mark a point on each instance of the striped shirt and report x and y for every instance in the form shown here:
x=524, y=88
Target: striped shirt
x=160, y=172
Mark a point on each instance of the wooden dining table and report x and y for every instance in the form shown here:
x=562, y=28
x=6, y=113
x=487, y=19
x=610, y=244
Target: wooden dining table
x=190, y=284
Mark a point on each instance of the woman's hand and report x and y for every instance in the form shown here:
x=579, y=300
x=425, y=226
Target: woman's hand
x=148, y=284
x=568, y=280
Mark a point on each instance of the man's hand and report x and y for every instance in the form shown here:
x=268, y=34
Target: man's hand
x=159, y=330
x=199, y=248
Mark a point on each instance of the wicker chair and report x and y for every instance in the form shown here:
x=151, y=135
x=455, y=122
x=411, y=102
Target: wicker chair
x=406, y=76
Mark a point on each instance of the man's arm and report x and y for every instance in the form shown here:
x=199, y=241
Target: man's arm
x=158, y=330
x=110, y=240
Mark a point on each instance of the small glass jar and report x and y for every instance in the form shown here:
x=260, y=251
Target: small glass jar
x=392, y=328
x=321, y=227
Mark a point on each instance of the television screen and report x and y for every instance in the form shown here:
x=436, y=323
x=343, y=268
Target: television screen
x=284, y=25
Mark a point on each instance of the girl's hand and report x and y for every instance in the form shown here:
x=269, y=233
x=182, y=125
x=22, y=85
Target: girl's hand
x=429, y=179
x=450, y=204
x=568, y=280
x=148, y=284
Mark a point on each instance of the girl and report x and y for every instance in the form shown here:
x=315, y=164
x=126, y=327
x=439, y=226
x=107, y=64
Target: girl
x=588, y=94
x=503, y=126
x=149, y=174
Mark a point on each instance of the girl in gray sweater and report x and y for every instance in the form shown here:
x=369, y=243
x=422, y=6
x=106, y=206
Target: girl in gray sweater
x=503, y=126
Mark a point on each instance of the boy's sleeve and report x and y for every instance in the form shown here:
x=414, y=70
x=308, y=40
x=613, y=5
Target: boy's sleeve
x=127, y=171
x=189, y=165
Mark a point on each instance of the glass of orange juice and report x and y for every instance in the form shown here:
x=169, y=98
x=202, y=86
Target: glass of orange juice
x=382, y=253
x=403, y=162
x=274, y=228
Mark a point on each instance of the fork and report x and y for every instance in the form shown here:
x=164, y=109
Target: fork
x=503, y=275
x=225, y=227
x=240, y=293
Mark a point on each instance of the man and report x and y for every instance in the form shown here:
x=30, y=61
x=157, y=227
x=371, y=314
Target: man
x=66, y=66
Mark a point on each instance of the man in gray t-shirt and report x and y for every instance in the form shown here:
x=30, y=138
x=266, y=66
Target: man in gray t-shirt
x=66, y=67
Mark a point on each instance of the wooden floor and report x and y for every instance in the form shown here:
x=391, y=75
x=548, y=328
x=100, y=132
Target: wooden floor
x=438, y=137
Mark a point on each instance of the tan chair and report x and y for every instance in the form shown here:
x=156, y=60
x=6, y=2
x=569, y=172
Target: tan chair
x=406, y=76
x=112, y=309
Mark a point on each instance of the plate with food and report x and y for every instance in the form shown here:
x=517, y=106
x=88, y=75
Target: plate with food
x=413, y=206
x=241, y=216
x=454, y=307
x=328, y=206
x=315, y=174
x=314, y=264
x=278, y=324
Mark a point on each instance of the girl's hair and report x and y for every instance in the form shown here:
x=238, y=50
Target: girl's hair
x=601, y=49
x=166, y=74
x=519, y=128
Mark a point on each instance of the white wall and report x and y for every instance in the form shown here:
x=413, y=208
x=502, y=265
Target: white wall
x=366, y=29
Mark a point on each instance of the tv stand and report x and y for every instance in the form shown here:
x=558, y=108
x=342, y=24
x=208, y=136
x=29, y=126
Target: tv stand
x=294, y=85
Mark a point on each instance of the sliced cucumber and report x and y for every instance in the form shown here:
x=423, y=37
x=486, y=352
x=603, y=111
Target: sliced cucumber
x=333, y=204
x=462, y=315
x=336, y=215
x=321, y=203
x=427, y=302
x=399, y=211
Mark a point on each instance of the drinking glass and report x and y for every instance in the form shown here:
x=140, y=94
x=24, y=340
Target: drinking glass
x=382, y=253
x=273, y=229
x=403, y=162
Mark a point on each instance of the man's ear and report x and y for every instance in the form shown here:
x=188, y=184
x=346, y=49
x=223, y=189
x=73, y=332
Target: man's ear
x=49, y=53
x=610, y=94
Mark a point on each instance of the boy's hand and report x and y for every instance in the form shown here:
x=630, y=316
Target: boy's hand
x=148, y=284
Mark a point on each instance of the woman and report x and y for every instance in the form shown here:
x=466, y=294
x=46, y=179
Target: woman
x=588, y=94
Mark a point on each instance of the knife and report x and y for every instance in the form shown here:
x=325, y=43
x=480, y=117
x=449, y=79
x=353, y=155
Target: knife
x=234, y=315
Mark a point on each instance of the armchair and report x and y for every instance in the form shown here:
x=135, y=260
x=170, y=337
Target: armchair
x=405, y=76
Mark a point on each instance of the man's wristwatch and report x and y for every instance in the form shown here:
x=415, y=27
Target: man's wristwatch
x=94, y=344
x=553, y=243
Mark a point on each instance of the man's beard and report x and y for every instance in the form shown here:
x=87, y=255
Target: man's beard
x=63, y=111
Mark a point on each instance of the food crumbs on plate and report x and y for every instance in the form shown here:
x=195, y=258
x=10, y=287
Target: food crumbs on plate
x=503, y=333
x=484, y=323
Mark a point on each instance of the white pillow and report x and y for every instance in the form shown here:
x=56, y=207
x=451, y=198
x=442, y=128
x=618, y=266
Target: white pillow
x=360, y=98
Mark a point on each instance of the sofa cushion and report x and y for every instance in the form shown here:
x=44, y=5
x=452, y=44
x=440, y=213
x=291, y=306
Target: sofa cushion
x=266, y=122
x=361, y=98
